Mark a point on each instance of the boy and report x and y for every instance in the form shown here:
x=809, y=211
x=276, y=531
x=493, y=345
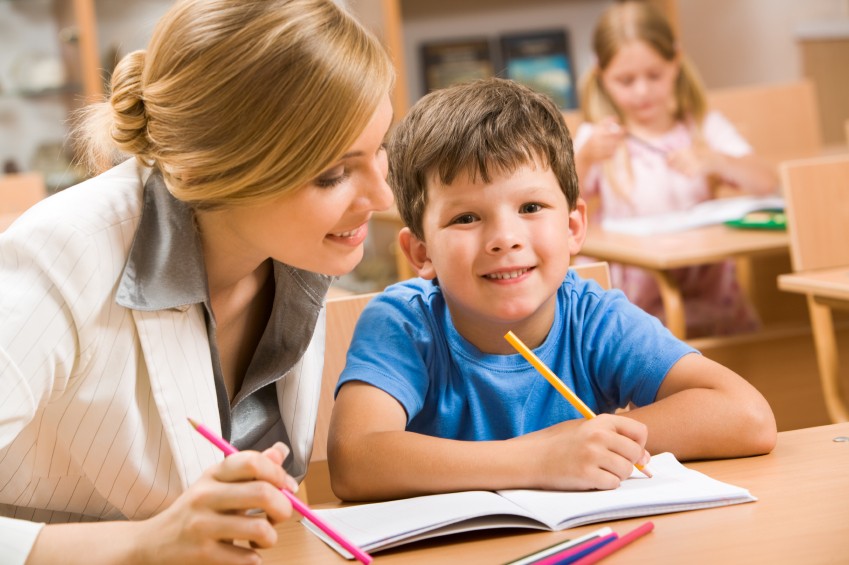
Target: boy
x=434, y=399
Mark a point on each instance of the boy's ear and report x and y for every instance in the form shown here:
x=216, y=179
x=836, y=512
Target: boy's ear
x=416, y=252
x=577, y=226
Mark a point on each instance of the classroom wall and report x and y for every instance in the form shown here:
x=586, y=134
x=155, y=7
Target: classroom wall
x=738, y=42
x=127, y=26
x=733, y=42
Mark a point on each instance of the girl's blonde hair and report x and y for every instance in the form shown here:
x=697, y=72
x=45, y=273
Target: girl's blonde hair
x=623, y=23
x=237, y=101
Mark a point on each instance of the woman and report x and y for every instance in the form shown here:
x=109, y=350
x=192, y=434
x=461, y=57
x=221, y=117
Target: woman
x=188, y=281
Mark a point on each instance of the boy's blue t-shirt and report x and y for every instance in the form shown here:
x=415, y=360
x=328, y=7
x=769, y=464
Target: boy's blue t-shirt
x=603, y=347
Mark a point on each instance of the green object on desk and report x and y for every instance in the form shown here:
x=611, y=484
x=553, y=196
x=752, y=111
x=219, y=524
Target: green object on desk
x=761, y=220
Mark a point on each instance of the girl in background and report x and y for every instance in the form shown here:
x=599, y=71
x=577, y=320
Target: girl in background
x=649, y=146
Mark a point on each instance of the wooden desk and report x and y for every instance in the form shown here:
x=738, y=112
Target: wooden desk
x=661, y=252
x=825, y=289
x=802, y=516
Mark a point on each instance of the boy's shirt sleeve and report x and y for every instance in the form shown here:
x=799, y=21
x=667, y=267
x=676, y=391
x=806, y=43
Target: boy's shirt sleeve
x=627, y=351
x=391, y=347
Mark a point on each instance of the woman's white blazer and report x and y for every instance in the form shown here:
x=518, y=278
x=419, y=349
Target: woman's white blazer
x=94, y=397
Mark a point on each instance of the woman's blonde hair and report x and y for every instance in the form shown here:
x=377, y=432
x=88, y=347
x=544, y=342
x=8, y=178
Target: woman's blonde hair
x=241, y=100
x=623, y=23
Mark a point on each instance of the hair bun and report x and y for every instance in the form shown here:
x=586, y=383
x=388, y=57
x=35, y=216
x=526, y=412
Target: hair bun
x=129, y=116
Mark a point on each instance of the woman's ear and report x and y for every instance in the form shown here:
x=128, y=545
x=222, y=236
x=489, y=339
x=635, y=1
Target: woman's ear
x=577, y=226
x=416, y=252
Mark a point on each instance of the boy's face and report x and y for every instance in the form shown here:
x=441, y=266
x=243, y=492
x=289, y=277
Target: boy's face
x=500, y=250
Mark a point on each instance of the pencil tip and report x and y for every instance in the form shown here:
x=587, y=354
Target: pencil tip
x=646, y=472
x=193, y=423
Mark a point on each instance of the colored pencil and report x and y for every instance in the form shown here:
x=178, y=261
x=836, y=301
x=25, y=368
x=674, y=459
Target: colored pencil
x=574, y=553
x=305, y=511
x=603, y=552
x=536, y=556
x=555, y=381
x=647, y=144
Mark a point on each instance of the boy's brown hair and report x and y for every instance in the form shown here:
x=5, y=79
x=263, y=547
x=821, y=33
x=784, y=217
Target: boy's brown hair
x=479, y=128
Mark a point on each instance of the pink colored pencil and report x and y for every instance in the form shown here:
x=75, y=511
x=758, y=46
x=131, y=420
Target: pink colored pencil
x=603, y=552
x=305, y=510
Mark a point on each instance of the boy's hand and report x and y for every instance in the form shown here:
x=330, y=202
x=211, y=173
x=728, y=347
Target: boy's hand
x=588, y=454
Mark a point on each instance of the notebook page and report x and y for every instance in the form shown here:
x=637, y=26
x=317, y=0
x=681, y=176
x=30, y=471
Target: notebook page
x=673, y=488
x=388, y=522
x=706, y=213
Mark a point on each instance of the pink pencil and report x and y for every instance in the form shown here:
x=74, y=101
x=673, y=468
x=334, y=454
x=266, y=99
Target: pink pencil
x=305, y=511
x=603, y=552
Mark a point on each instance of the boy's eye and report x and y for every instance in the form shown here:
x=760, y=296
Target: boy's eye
x=463, y=219
x=530, y=208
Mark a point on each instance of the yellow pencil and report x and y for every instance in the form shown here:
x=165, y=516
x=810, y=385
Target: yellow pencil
x=559, y=385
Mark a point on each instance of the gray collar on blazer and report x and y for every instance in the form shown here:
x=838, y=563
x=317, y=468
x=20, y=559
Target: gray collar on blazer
x=165, y=270
x=165, y=266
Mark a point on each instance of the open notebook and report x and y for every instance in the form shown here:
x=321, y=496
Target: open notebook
x=382, y=525
x=706, y=213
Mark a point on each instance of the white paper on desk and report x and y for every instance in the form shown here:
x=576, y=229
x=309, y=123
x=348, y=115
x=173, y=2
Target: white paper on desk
x=674, y=488
x=707, y=213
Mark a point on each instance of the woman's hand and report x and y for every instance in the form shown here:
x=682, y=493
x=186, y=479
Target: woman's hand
x=199, y=527
x=201, y=524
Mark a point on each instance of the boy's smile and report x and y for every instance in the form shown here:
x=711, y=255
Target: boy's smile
x=500, y=251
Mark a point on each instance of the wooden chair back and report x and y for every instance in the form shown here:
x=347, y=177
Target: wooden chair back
x=846, y=129
x=598, y=271
x=573, y=119
x=816, y=192
x=780, y=121
x=342, y=315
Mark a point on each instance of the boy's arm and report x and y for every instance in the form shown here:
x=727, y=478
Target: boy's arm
x=372, y=457
x=705, y=410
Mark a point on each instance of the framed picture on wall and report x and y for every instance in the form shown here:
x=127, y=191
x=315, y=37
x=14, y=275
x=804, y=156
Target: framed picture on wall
x=542, y=60
x=450, y=62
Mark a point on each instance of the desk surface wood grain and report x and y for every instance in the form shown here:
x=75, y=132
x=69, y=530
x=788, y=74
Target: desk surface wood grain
x=802, y=516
